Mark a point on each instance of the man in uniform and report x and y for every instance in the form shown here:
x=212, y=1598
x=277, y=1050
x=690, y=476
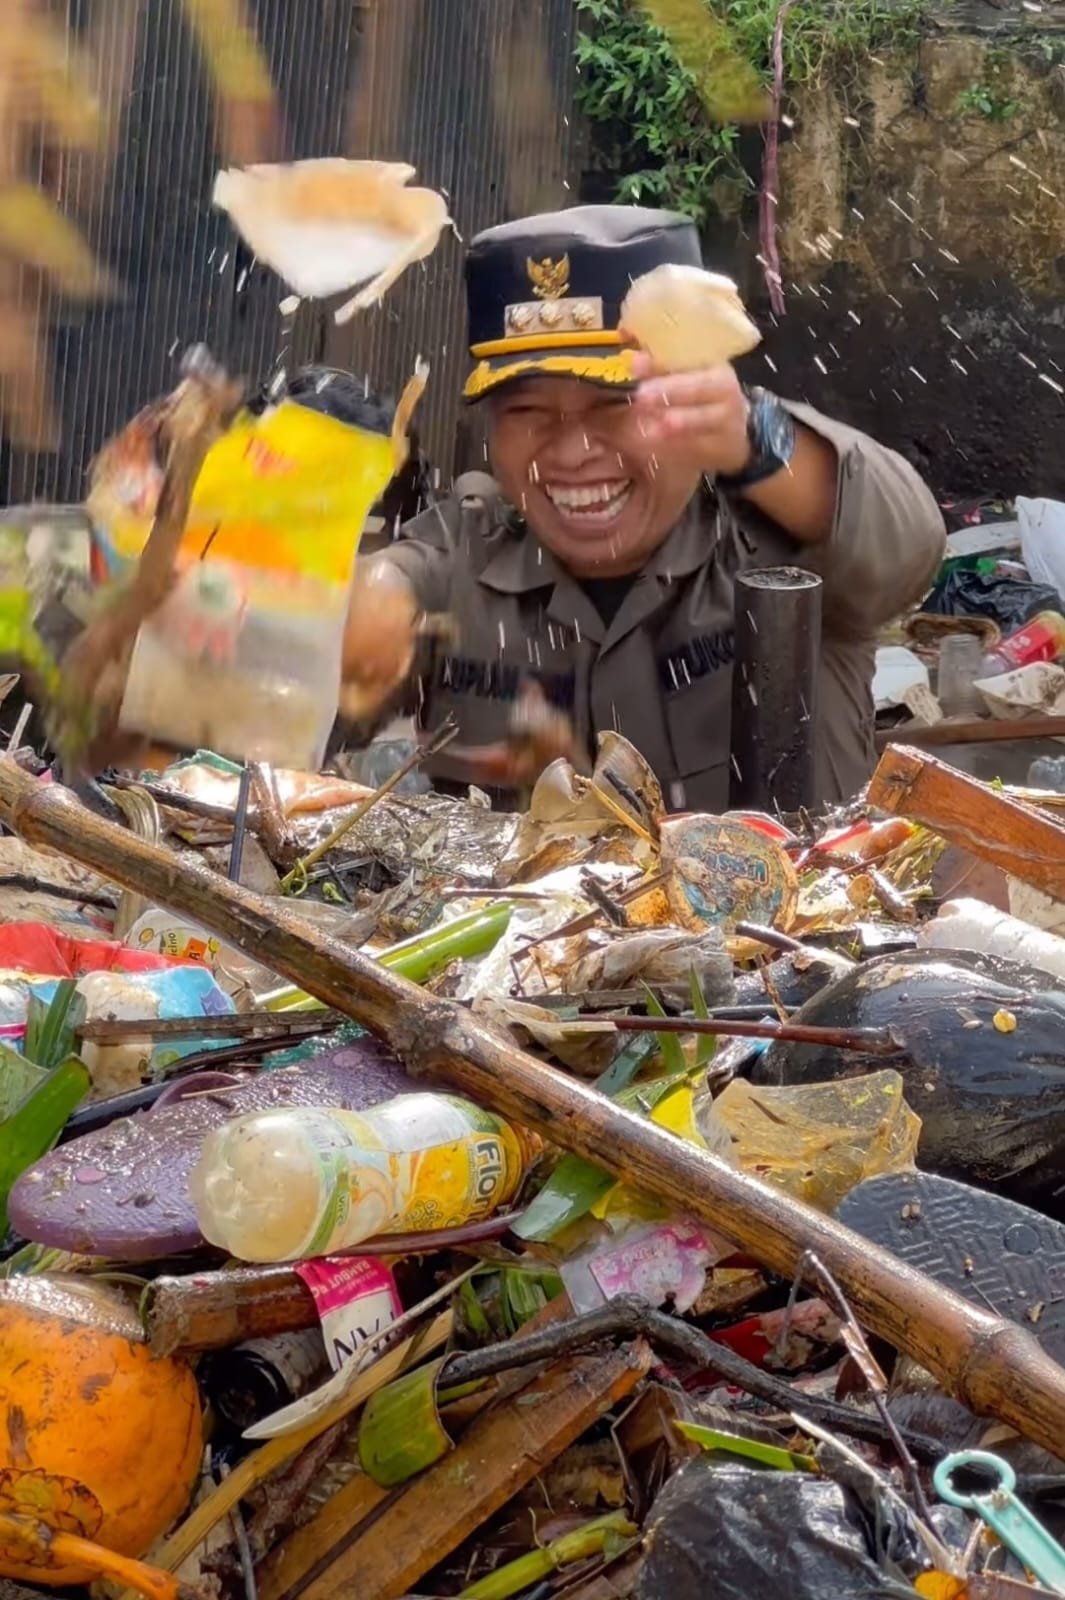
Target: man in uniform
x=601, y=560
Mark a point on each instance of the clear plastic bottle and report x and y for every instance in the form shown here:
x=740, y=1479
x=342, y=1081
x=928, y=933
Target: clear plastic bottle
x=288, y=1184
x=973, y=925
x=959, y=667
x=1041, y=639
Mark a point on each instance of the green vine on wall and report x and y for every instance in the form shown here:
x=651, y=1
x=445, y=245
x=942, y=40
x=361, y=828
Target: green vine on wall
x=661, y=139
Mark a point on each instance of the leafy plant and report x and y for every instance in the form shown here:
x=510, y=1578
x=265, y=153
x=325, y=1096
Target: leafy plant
x=51, y=1038
x=705, y=1043
x=576, y=1186
x=632, y=83
x=658, y=133
x=987, y=101
x=51, y=1028
x=669, y=1045
x=497, y=1301
x=1046, y=48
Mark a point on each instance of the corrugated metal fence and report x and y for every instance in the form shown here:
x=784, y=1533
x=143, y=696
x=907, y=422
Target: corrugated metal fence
x=476, y=94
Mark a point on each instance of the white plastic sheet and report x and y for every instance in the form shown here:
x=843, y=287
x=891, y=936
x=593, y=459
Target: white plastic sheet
x=1043, y=540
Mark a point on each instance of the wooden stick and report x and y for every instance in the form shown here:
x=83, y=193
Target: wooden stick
x=289, y=1567
x=280, y=1026
x=408, y=1534
x=978, y=730
x=275, y=830
x=968, y=813
x=216, y=1310
x=875, y=1041
x=989, y=1363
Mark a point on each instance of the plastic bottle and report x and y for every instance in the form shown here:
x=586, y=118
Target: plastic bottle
x=959, y=667
x=972, y=925
x=1041, y=639
x=284, y=1185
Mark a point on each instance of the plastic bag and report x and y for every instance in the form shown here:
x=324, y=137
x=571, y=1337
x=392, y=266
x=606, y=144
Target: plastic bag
x=1008, y=601
x=898, y=673
x=45, y=577
x=1027, y=691
x=110, y=995
x=244, y=656
x=741, y=1535
x=1043, y=540
x=45, y=589
x=816, y=1141
x=656, y=1262
x=1043, y=911
x=116, y=983
x=385, y=754
x=34, y=947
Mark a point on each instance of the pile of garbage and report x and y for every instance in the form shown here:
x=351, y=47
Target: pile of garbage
x=400, y=1198
x=988, y=643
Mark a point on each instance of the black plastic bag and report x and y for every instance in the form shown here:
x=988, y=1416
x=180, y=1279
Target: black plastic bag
x=736, y=1534
x=791, y=980
x=981, y=1049
x=1008, y=601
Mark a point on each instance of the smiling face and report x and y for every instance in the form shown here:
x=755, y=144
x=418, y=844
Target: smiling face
x=574, y=459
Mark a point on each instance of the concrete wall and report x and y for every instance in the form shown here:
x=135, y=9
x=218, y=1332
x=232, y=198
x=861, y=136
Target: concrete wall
x=923, y=245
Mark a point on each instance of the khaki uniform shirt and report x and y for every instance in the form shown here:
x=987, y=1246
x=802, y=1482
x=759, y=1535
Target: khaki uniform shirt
x=660, y=673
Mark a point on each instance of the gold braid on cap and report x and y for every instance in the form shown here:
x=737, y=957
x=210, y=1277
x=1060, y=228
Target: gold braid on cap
x=607, y=369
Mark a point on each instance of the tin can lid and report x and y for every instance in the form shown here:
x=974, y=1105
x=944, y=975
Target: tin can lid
x=720, y=871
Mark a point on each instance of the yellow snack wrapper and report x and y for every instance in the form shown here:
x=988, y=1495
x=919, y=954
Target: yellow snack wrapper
x=244, y=657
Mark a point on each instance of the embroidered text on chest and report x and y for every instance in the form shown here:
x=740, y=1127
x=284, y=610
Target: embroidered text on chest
x=493, y=680
x=697, y=659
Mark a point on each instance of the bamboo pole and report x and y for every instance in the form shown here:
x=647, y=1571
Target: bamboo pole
x=990, y=1364
x=215, y=1310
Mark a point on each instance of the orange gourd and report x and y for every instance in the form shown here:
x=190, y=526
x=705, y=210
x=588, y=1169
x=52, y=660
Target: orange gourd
x=97, y=1439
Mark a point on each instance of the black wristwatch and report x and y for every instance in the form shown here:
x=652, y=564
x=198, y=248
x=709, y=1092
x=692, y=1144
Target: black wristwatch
x=771, y=431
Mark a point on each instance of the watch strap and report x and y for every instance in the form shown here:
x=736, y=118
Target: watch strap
x=771, y=431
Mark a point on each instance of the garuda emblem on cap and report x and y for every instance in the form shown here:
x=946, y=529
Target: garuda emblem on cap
x=549, y=279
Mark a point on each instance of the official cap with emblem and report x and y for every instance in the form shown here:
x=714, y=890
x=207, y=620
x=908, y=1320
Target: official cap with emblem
x=545, y=293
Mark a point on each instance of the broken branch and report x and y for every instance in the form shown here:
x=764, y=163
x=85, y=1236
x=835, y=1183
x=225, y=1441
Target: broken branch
x=876, y=1041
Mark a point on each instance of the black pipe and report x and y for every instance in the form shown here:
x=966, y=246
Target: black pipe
x=774, y=690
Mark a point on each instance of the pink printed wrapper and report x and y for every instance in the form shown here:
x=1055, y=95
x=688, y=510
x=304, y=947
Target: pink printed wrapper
x=356, y=1299
x=663, y=1262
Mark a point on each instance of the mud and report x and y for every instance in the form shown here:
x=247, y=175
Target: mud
x=923, y=253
